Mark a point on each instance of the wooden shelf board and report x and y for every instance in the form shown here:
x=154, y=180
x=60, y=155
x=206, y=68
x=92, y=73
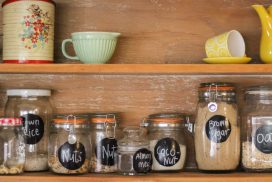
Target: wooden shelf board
x=166, y=177
x=194, y=69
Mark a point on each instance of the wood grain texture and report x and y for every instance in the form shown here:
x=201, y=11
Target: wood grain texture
x=159, y=31
x=173, y=177
x=130, y=69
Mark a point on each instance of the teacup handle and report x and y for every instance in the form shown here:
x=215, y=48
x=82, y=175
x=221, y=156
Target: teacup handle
x=63, y=46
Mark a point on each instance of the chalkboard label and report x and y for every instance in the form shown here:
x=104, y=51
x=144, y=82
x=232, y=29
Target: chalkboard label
x=142, y=161
x=167, y=152
x=218, y=129
x=72, y=156
x=106, y=151
x=33, y=127
x=263, y=139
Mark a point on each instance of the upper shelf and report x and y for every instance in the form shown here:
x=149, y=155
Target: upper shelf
x=185, y=69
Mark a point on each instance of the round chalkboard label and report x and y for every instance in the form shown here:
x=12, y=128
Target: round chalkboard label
x=167, y=152
x=72, y=156
x=263, y=139
x=142, y=161
x=218, y=129
x=106, y=150
x=33, y=127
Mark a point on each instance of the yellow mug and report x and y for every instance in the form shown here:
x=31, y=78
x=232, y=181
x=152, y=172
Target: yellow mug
x=228, y=44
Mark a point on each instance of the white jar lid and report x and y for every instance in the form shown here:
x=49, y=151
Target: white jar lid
x=28, y=92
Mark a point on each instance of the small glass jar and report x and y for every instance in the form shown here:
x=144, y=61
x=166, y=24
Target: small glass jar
x=69, y=144
x=217, y=129
x=104, y=135
x=34, y=107
x=134, y=156
x=167, y=142
x=12, y=146
x=257, y=129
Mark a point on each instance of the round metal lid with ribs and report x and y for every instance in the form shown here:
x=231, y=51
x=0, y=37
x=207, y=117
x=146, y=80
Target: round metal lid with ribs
x=6, y=2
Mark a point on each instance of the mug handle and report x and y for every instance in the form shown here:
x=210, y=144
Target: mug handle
x=64, y=50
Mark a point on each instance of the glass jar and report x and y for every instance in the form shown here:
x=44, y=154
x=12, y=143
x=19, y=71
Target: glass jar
x=134, y=156
x=217, y=130
x=69, y=144
x=12, y=146
x=257, y=129
x=34, y=107
x=104, y=135
x=167, y=142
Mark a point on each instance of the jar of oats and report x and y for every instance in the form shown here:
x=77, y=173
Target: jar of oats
x=217, y=130
x=69, y=144
x=104, y=135
x=257, y=129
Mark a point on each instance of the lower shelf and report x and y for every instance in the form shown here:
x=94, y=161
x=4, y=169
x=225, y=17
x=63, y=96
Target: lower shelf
x=166, y=177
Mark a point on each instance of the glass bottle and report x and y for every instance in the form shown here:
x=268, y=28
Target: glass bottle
x=167, y=142
x=33, y=106
x=134, y=156
x=217, y=129
x=257, y=129
x=12, y=146
x=104, y=135
x=69, y=144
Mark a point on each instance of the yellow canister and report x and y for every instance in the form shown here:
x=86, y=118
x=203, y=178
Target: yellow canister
x=28, y=31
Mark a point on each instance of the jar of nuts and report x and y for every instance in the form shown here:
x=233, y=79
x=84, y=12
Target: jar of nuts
x=69, y=145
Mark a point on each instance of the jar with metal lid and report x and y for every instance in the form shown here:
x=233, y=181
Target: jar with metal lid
x=69, y=144
x=28, y=31
x=167, y=141
x=104, y=135
x=12, y=146
x=257, y=129
x=217, y=129
x=34, y=107
x=134, y=156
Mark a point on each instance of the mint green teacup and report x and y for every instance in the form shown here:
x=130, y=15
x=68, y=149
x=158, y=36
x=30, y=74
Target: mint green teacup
x=92, y=47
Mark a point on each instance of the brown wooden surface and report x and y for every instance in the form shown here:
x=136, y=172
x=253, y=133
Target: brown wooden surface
x=159, y=69
x=173, y=177
x=159, y=31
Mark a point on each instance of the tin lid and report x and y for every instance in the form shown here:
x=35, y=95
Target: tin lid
x=28, y=92
x=11, y=121
x=166, y=119
x=217, y=86
x=6, y=2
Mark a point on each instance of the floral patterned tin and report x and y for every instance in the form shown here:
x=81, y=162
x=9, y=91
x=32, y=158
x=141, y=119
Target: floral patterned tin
x=28, y=30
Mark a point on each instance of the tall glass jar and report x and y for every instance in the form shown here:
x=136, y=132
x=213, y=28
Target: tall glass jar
x=167, y=142
x=104, y=135
x=217, y=130
x=134, y=156
x=12, y=146
x=257, y=129
x=69, y=144
x=33, y=106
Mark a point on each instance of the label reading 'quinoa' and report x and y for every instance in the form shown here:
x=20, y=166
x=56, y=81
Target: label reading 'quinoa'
x=218, y=129
x=72, y=156
x=142, y=161
x=263, y=139
x=105, y=151
x=167, y=152
x=33, y=127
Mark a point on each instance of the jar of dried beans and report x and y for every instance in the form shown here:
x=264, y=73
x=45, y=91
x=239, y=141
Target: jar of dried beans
x=217, y=130
x=257, y=129
x=69, y=144
x=104, y=135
